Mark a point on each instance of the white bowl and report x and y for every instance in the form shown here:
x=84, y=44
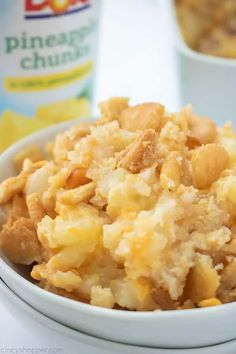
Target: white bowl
x=207, y=82
x=169, y=329
x=83, y=343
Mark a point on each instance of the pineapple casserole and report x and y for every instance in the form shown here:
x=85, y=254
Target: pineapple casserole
x=134, y=211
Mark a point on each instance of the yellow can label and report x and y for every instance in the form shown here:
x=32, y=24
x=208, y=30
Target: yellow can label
x=47, y=63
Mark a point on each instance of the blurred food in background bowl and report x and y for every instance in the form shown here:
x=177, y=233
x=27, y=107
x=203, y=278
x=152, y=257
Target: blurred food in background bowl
x=209, y=26
x=205, y=43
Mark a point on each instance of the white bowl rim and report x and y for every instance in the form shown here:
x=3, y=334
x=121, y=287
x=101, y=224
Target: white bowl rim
x=221, y=61
x=93, y=340
x=89, y=309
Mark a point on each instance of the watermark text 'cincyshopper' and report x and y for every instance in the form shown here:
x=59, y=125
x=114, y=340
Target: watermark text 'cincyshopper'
x=31, y=350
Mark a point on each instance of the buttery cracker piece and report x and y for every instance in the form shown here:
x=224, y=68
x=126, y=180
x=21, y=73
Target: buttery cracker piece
x=208, y=161
x=56, y=182
x=163, y=299
x=35, y=208
x=202, y=131
x=19, y=242
x=30, y=167
x=77, y=195
x=77, y=178
x=18, y=208
x=30, y=151
x=143, y=116
x=112, y=109
x=3, y=216
x=79, y=131
x=170, y=175
x=228, y=278
x=11, y=187
x=227, y=296
x=141, y=154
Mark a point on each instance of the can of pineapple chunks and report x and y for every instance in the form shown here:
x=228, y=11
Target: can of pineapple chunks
x=48, y=54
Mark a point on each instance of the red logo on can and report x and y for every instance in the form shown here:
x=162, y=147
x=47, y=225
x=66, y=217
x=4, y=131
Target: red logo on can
x=57, y=6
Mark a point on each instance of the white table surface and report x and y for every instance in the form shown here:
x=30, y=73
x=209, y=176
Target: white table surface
x=136, y=60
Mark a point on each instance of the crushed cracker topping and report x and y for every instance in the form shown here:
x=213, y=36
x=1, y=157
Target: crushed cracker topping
x=133, y=211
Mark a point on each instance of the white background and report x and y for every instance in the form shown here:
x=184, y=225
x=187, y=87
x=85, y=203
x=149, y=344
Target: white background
x=136, y=60
x=136, y=52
